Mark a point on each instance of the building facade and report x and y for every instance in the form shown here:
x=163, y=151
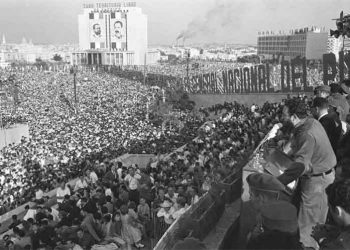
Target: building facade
x=311, y=44
x=111, y=34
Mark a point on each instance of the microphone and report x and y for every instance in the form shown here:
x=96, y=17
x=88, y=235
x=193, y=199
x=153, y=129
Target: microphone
x=271, y=134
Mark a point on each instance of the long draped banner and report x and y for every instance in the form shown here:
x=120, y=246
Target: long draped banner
x=290, y=76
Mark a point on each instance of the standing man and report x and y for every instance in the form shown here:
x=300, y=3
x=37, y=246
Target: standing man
x=310, y=146
x=330, y=124
x=132, y=183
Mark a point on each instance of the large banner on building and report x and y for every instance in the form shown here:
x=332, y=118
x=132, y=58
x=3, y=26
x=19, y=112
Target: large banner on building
x=97, y=30
x=118, y=30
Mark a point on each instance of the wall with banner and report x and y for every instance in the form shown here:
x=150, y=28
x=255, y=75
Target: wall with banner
x=294, y=76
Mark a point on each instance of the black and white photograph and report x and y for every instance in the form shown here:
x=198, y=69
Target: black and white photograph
x=174, y=124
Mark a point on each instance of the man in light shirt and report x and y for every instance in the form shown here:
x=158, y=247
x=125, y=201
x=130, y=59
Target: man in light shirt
x=92, y=176
x=167, y=212
x=132, y=183
x=62, y=191
x=81, y=183
x=181, y=203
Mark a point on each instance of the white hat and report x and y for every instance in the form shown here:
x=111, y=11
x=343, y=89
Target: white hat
x=165, y=204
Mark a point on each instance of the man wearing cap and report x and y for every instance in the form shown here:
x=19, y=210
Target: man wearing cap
x=277, y=228
x=311, y=147
x=167, y=212
x=263, y=188
x=322, y=91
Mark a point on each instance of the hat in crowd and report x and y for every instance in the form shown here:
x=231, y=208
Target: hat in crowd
x=265, y=182
x=323, y=88
x=189, y=244
x=280, y=216
x=165, y=204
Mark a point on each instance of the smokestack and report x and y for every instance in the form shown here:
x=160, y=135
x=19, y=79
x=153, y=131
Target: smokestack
x=183, y=42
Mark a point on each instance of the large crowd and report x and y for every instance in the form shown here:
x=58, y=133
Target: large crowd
x=108, y=121
x=68, y=141
x=112, y=205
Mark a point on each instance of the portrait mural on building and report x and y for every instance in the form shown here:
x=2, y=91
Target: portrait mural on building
x=118, y=30
x=97, y=30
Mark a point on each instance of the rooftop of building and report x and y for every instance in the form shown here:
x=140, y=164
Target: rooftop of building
x=292, y=32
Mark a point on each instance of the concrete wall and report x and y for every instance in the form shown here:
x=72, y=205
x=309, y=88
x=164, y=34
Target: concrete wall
x=207, y=100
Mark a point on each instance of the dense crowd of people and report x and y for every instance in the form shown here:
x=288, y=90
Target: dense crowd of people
x=108, y=121
x=127, y=195
x=111, y=205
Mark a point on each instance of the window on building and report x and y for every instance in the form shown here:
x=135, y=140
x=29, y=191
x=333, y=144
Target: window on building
x=92, y=45
x=113, y=15
x=114, y=45
x=91, y=15
x=102, y=45
x=100, y=15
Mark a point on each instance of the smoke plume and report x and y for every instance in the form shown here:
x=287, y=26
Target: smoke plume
x=225, y=14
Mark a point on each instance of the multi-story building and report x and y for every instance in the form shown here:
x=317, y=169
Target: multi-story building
x=111, y=34
x=311, y=44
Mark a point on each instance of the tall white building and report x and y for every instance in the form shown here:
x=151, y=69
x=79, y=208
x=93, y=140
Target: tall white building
x=111, y=34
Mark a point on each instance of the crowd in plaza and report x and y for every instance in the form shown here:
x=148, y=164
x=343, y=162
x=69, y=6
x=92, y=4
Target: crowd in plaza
x=66, y=144
x=112, y=205
x=109, y=120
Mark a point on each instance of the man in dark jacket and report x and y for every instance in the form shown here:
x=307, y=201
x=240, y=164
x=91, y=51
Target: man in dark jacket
x=330, y=124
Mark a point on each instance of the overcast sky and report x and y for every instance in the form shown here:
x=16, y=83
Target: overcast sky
x=223, y=21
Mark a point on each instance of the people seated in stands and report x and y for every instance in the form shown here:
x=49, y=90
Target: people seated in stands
x=66, y=144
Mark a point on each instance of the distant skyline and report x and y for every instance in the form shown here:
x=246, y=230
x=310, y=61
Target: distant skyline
x=202, y=21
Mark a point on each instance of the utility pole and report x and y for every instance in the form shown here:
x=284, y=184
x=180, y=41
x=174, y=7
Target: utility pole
x=74, y=72
x=188, y=64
